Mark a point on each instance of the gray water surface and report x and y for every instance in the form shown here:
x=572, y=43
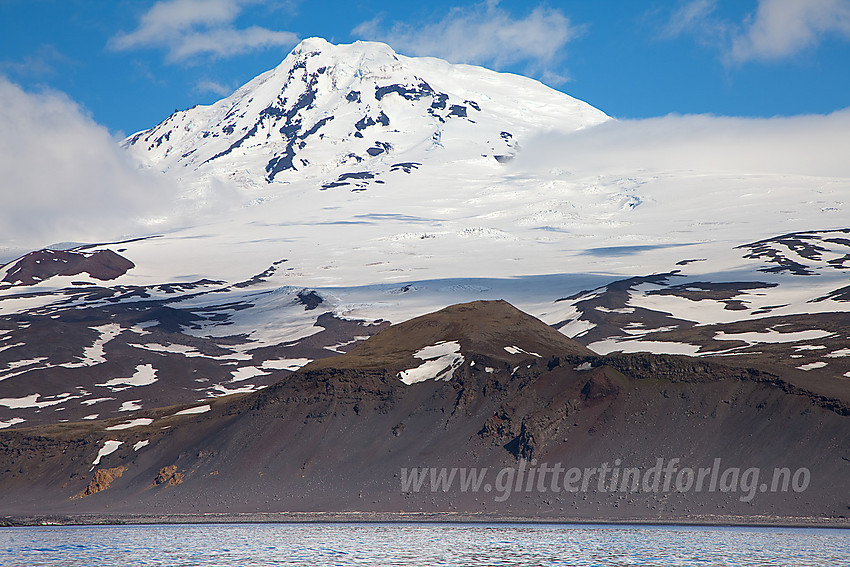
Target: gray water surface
x=234, y=545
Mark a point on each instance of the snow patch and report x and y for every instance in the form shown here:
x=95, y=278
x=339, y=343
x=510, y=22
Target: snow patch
x=108, y=448
x=31, y=401
x=656, y=347
x=772, y=336
x=95, y=401
x=194, y=410
x=21, y=363
x=95, y=354
x=569, y=320
x=288, y=363
x=812, y=365
x=172, y=348
x=131, y=405
x=139, y=444
x=440, y=359
x=132, y=423
x=11, y=422
x=141, y=328
x=336, y=347
x=220, y=390
x=622, y=310
x=839, y=353
x=247, y=372
x=144, y=375
x=517, y=350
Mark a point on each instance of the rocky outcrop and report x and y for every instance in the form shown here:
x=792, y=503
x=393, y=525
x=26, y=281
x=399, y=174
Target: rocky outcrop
x=102, y=480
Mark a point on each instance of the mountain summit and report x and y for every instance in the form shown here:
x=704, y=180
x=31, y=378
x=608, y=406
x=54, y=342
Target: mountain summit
x=361, y=109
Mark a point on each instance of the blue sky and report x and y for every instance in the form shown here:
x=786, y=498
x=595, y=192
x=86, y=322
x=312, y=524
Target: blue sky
x=130, y=63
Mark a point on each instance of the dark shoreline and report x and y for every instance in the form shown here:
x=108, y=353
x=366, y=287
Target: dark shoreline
x=410, y=518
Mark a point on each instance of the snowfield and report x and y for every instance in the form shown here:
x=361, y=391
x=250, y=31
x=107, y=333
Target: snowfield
x=365, y=185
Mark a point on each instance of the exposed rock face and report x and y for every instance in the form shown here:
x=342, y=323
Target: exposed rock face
x=103, y=479
x=339, y=434
x=168, y=475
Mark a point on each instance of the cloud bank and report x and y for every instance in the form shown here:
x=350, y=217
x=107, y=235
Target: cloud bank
x=781, y=28
x=777, y=30
x=189, y=29
x=64, y=178
x=811, y=145
x=483, y=34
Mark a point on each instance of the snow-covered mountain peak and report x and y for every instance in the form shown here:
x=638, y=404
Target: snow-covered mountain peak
x=333, y=113
x=342, y=64
x=361, y=52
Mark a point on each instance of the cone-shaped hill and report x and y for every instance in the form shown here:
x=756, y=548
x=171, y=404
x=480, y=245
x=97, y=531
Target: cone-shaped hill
x=494, y=329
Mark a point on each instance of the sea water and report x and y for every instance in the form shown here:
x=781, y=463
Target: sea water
x=233, y=545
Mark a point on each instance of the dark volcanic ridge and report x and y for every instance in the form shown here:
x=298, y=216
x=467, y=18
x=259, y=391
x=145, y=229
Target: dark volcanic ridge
x=343, y=434
x=788, y=309
x=78, y=348
x=44, y=264
x=91, y=351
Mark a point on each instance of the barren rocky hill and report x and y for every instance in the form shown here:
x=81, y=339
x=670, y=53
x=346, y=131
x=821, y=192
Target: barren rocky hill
x=344, y=434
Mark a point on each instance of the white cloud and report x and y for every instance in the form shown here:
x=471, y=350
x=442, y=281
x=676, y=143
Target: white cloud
x=696, y=17
x=192, y=28
x=483, y=34
x=815, y=145
x=227, y=42
x=41, y=63
x=778, y=29
x=782, y=28
x=64, y=178
x=209, y=86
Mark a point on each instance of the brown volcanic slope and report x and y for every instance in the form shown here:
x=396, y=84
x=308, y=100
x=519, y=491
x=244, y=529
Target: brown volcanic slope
x=483, y=327
x=337, y=435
